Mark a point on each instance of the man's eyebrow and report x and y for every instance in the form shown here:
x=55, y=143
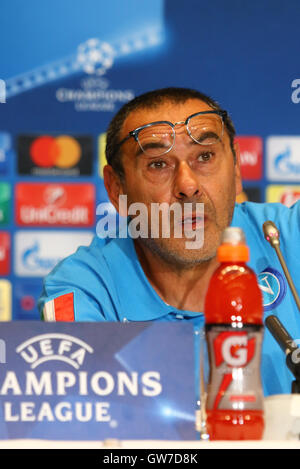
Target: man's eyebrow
x=149, y=145
x=203, y=137
x=209, y=134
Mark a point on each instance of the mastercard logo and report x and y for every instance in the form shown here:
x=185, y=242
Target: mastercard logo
x=62, y=151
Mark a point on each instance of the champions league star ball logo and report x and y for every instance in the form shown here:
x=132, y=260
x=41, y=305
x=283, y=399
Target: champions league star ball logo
x=92, y=60
x=95, y=56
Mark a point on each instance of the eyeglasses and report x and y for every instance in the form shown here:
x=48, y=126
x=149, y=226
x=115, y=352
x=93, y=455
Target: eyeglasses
x=158, y=138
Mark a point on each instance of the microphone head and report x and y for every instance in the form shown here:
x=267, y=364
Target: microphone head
x=271, y=233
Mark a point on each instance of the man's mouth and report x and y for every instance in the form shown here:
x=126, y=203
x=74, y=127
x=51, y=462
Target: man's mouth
x=193, y=222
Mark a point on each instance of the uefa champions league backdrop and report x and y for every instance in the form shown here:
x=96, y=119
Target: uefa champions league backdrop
x=68, y=65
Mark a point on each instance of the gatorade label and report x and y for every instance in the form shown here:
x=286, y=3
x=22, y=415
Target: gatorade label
x=234, y=367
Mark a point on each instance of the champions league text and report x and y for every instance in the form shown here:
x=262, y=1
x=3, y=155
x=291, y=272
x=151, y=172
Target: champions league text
x=70, y=384
x=62, y=383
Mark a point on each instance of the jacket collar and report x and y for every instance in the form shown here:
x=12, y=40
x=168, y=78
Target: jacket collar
x=137, y=298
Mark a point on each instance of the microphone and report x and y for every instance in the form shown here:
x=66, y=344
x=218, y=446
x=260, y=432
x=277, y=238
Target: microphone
x=271, y=233
x=280, y=334
x=289, y=347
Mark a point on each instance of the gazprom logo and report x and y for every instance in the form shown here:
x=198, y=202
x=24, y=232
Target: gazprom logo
x=283, y=158
x=38, y=251
x=273, y=287
x=34, y=261
x=284, y=163
x=54, y=346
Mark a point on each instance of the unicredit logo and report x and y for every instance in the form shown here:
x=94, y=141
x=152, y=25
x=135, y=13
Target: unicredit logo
x=62, y=152
x=249, y=158
x=55, y=204
x=251, y=150
x=54, y=195
x=4, y=253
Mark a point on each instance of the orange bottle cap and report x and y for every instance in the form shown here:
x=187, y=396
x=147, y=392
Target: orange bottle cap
x=233, y=253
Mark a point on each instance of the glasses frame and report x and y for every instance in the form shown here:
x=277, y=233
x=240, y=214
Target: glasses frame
x=135, y=133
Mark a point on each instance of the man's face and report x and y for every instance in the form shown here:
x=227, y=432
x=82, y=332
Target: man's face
x=189, y=173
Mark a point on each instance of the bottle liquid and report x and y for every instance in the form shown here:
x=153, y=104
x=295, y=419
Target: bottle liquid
x=234, y=333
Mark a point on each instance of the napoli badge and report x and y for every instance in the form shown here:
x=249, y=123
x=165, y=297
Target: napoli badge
x=273, y=287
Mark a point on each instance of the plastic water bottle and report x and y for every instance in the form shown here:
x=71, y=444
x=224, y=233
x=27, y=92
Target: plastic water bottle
x=234, y=333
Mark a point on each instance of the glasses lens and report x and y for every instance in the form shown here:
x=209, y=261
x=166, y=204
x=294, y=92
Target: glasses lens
x=156, y=139
x=206, y=129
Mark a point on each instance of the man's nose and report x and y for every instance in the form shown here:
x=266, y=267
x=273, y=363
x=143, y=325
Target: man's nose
x=186, y=183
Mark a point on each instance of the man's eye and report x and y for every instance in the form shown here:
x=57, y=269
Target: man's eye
x=204, y=157
x=157, y=164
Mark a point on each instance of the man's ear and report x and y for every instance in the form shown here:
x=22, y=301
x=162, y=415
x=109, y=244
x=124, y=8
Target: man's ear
x=238, y=176
x=113, y=186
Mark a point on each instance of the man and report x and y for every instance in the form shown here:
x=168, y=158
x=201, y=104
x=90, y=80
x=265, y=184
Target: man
x=174, y=146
